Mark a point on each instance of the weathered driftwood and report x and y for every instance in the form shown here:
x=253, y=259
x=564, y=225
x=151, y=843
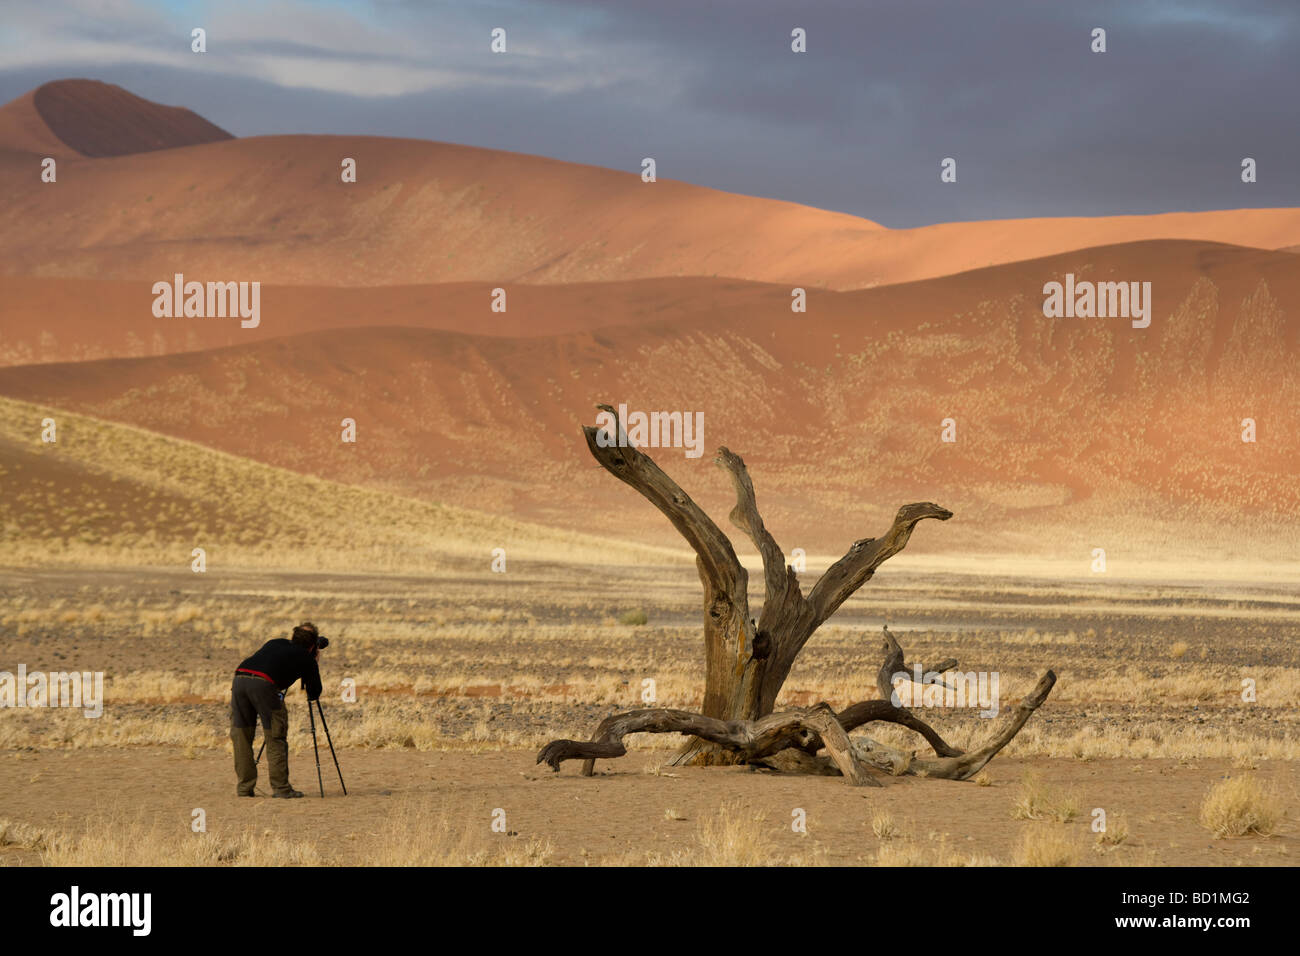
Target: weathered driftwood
x=790, y=740
x=748, y=660
x=961, y=766
x=747, y=739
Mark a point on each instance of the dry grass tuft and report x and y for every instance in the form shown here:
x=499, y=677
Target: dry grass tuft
x=1036, y=801
x=1240, y=806
x=1046, y=847
x=734, y=836
x=22, y=835
x=883, y=826
x=1116, y=831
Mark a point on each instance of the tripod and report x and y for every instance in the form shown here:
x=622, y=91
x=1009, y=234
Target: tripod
x=316, y=747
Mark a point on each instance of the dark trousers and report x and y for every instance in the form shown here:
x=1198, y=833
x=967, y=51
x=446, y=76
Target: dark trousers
x=251, y=700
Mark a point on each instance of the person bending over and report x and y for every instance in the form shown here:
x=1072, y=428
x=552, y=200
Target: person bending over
x=257, y=693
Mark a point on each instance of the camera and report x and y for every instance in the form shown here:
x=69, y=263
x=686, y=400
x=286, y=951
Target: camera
x=322, y=643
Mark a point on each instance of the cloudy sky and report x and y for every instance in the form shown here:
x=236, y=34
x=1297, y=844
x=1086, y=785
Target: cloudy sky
x=1039, y=124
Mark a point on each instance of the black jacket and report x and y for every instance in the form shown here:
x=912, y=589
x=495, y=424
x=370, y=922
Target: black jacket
x=285, y=662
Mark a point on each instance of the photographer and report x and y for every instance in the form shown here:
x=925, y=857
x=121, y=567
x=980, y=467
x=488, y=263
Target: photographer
x=257, y=692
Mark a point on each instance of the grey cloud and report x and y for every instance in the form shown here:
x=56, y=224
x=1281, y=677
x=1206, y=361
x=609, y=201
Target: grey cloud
x=1039, y=125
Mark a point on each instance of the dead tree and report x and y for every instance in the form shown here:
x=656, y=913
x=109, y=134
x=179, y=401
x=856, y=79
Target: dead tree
x=747, y=661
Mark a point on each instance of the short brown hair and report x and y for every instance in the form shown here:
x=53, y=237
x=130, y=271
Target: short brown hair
x=306, y=635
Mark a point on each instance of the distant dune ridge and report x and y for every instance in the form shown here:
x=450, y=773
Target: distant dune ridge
x=425, y=212
x=126, y=493
x=23, y=130
x=838, y=411
x=663, y=296
x=94, y=119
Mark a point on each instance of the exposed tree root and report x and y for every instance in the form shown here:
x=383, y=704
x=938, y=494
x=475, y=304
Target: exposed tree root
x=807, y=730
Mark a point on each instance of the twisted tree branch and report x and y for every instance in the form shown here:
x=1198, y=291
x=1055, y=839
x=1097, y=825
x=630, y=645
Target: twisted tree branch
x=857, y=566
x=780, y=581
x=714, y=552
x=749, y=739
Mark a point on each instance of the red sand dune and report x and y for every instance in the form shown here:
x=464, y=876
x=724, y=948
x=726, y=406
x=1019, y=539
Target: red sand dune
x=274, y=209
x=97, y=119
x=24, y=130
x=73, y=320
x=664, y=296
x=1058, y=418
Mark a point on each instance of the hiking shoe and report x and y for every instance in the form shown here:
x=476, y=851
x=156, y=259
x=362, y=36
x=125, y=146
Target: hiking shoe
x=251, y=793
x=288, y=794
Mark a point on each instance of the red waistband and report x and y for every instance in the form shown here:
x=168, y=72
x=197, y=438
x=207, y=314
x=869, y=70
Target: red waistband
x=245, y=670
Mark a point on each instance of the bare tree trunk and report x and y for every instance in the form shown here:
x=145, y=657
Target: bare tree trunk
x=746, y=664
x=732, y=673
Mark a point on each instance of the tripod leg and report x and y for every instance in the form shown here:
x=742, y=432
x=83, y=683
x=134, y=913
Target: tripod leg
x=331, y=743
x=258, y=758
x=316, y=748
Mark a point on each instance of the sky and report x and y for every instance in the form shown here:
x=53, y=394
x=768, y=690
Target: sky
x=1039, y=124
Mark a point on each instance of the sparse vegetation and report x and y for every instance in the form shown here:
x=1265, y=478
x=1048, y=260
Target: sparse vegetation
x=1116, y=831
x=883, y=826
x=1241, y=806
x=1040, y=846
x=111, y=495
x=22, y=835
x=735, y=836
x=1037, y=801
x=464, y=669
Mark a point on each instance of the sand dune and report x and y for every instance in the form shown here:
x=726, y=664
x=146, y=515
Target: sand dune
x=273, y=209
x=73, y=320
x=90, y=118
x=110, y=493
x=1088, y=422
x=24, y=130
x=664, y=296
